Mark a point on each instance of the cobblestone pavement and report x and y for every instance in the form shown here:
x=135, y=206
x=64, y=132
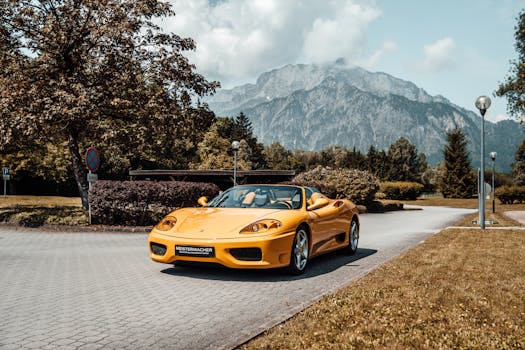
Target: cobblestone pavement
x=96, y=290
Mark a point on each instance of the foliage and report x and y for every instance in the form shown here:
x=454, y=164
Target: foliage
x=511, y=194
x=404, y=162
x=357, y=185
x=401, y=190
x=328, y=189
x=377, y=163
x=141, y=203
x=431, y=178
x=307, y=159
x=513, y=88
x=102, y=72
x=279, y=158
x=47, y=160
x=215, y=151
x=518, y=167
x=458, y=180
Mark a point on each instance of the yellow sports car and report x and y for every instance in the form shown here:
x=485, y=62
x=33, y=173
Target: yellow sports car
x=258, y=227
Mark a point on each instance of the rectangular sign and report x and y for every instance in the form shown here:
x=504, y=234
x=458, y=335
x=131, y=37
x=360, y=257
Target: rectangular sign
x=7, y=177
x=92, y=177
x=6, y=171
x=185, y=250
x=487, y=222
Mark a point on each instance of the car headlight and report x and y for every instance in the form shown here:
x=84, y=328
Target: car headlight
x=261, y=226
x=167, y=223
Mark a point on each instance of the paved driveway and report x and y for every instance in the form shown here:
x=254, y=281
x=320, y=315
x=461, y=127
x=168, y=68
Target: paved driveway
x=93, y=290
x=519, y=216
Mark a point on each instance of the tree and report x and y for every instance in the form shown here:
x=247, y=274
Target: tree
x=377, y=163
x=403, y=161
x=518, y=167
x=513, y=88
x=458, y=178
x=213, y=151
x=279, y=158
x=238, y=129
x=99, y=70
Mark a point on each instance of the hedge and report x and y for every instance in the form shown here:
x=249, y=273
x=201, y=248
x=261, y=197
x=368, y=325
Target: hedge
x=143, y=203
x=401, y=190
x=511, y=194
x=357, y=185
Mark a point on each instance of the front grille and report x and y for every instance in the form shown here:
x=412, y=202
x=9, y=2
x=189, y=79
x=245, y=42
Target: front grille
x=247, y=254
x=158, y=249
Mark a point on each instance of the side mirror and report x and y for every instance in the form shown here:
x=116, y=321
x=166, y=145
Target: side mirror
x=203, y=201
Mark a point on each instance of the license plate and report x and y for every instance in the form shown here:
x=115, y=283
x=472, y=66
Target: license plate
x=186, y=250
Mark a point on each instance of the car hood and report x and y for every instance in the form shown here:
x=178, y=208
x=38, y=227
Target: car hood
x=216, y=223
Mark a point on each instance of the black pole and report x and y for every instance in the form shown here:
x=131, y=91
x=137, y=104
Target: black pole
x=493, y=189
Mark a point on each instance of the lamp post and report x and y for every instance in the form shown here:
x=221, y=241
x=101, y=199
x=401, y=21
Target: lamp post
x=235, y=147
x=493, y=157
x=482, y=103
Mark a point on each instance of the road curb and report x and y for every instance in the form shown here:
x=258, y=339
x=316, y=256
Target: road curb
x=486, y=228
x=78, y=228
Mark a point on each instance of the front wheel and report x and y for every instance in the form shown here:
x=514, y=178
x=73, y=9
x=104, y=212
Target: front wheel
x=353, y=238
x=299, y=252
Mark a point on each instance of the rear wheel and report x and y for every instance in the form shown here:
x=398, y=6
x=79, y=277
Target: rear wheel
x=299, y=252
x=353, y=238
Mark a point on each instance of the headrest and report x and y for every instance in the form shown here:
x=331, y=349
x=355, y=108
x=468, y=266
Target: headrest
x=248, y=199
x=261, y=199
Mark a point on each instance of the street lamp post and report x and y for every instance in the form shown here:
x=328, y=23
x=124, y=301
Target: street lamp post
x=235, y=147
x=482, y=103
x=493, y=157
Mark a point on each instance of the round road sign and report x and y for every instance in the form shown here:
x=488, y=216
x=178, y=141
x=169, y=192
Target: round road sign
x=92, y=159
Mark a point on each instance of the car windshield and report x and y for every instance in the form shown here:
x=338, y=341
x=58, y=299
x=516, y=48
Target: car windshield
x=252, y=196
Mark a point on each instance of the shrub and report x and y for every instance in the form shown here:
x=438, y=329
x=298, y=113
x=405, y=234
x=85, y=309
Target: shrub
x=511, y=194
x=401, y=190
x=357, y=185
x=327, y=189
x=142, y=203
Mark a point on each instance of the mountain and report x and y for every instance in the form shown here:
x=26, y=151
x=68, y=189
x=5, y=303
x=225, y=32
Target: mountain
x=310, y=107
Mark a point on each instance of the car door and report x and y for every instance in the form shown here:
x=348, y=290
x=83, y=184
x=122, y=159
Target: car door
x=326, y=224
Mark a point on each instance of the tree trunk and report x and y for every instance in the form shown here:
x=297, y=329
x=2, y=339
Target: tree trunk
x=78, y=169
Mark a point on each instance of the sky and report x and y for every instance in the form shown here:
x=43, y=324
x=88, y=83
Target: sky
x=459, y=49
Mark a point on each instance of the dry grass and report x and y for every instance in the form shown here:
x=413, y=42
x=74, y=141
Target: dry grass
x=471, y=203
x=40, y=210
x=40, y=201
x=499, y=219
x=460, y=289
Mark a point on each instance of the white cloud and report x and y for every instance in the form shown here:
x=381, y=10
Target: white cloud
x=438, y=56
x=237, y=39
x=338, y=33
x=371, y=62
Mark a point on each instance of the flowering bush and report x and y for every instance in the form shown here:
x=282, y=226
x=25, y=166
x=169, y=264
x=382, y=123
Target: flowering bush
x=357, y=185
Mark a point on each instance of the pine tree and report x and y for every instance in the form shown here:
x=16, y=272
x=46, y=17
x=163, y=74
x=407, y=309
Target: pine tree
x=518, y=167
x=377, y=163
x=458, y=179
x=404, y=163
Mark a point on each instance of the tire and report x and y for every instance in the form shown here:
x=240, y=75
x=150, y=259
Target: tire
x=353, y=238
x=300, y=252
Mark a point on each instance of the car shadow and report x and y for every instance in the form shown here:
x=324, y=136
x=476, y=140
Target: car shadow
x=317, y=266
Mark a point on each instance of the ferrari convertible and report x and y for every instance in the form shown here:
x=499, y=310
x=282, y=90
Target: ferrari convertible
x=257, y=227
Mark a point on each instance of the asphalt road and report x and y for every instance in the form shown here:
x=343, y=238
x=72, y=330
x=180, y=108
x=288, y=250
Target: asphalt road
x=96, y=290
